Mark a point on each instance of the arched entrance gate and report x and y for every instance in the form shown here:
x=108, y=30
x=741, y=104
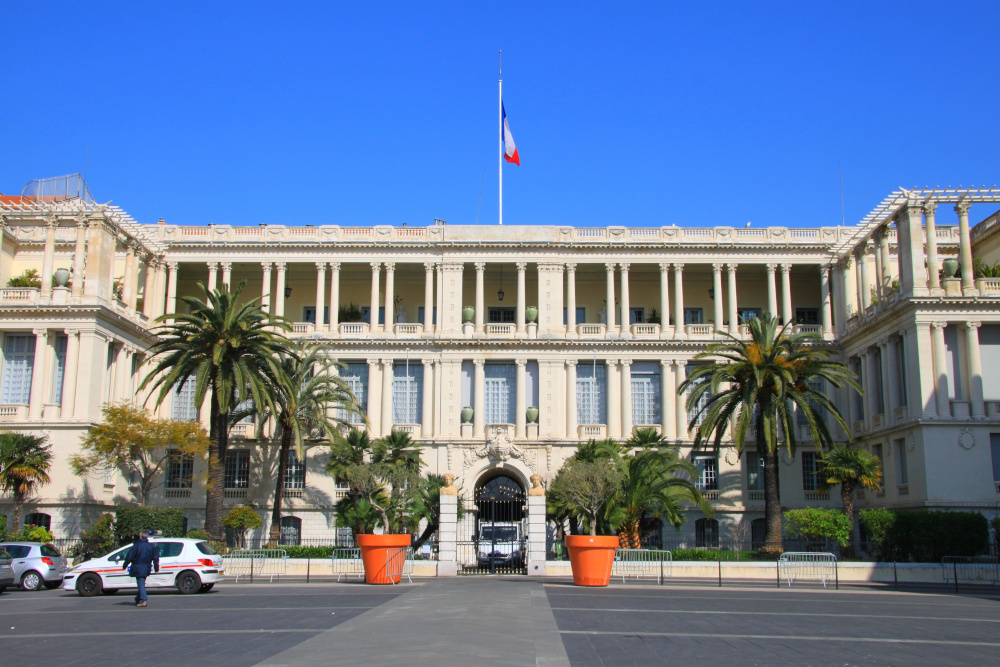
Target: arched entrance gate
x=492, y=537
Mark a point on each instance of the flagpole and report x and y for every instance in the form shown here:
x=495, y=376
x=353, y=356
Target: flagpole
x=500, y=113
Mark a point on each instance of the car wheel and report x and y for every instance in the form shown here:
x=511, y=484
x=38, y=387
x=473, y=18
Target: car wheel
x=109, y=591
x=52, y=584
x=188, y=582
x=89, y=585
x=31, y=581
x=206, y=588
x=2, y=589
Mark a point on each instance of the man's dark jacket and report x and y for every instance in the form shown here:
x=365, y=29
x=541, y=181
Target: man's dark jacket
x=142, y=556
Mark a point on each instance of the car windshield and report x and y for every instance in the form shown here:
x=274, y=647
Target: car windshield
x=499, y=533
x=51, y=551
x=207, y=549
x=17, y=550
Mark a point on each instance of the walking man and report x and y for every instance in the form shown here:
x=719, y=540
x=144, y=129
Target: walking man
x=143, y=557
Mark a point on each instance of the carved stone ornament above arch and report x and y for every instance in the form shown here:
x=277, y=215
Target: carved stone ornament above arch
x=499, y=449
x=732, y=456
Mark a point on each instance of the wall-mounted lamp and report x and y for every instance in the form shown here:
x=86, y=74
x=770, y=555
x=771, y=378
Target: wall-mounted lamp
x=711, y=293
x=288, y=292
x=500, y=291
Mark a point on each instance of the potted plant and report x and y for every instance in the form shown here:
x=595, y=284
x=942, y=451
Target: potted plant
x=531, y=314
x=532, y=414
x=468, y=314
x=467, y=413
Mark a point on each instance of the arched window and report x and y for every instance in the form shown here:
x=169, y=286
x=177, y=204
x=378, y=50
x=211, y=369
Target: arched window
x=38, y=519
x=706, y=533
x=291, y=531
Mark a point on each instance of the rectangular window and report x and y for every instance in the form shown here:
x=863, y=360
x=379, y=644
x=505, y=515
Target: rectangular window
x=901, y=372
x=995, y=452
x=800, y=416
x=19, y=361
x=295, y=472
x=183, y=408
x=500, y=393
x=238, y=468
x=309, y=314
x=708, y=473
x=591, y=393
x=747, y=314
x=636, y=315
x=696, y=411
x=807, y=315
x=366, y=313
x=60, y=369
x=810, y=471
x=645, y=399
x=434, y=315
x=755, y=472
x=693, y=316
x=580, y=315
x=877, y=452
x=902, y=473
x=356, y=377
x=500, y=315
x=180, y=470
x=859, y=400
x=407, y=390
x=879, y=383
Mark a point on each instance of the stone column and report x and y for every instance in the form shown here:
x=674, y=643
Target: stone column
x=479, y=399
x=626, y=397
x=131, y=287
x=887, y=388
x=975, y=364
x=427, y=399
x=786, y=294
x=374, y=398
x=664, y=299
x=866, y=278
x=613, y=411
x=965, y=249
x=824, y=295
x=839, y=297
x=69, y=373
x=680, y=399
x=626, y=328
x=227, y=275
x=480, y=297
x=440, y=300
x=390, y=299
x=265, y=290
x=438, y=397
x=279, y=292
x=943, y=399
x=320, y=305
x=852, y=305
x=79, y=257
x=160, y=292
x=536, y=535
x=933, y=268
x=521, y=399
x=448, y=536
x=571, y=300
x=734, y=317
x=668, y=420
x=572, y=423
x=36, y=398
x=48, y=257
x=213, y=275
x=772, y=290
x=609, y=299
x=388, y=377
x=679, y=331
x=334, y=298
x=86, y=371
x=877, y=258
x=886, y=263
x=521, y=303
x=717, y=298
x=428, y=297
x=373, y=299
x=172, y=287
x=149, y=289
x=892, y=379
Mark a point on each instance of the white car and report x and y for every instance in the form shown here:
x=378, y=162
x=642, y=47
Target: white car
x=191, y=566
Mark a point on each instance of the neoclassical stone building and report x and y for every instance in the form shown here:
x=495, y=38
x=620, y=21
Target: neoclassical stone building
x=547, y=335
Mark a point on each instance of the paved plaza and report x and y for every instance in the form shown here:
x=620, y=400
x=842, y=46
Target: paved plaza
x=508, y=621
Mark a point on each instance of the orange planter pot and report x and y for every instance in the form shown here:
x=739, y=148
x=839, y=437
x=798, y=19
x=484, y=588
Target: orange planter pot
x=375, y=555
x=591, y=557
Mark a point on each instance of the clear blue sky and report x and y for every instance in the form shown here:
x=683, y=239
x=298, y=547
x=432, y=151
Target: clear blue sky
x=697, y=114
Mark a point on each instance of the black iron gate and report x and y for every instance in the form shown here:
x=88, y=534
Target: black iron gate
x=493, y=540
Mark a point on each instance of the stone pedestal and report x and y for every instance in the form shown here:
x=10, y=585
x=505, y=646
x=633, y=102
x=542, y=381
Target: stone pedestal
x=536, y=536
x=448, y=537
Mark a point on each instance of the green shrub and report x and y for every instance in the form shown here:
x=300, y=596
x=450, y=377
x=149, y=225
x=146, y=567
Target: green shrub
x=99, y=539
x=198, y=535
x=877, y=523
x=924, y=536
x=31, y=533
x=815, y=523
x=307, y=552
x=995, y=523
x=241, y=519
x=129, y=521
x=716, y=554
x=29, y=278
x=350, y=313
x=3, y=526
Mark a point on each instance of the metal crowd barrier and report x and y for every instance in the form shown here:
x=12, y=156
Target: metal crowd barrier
x=794, y=565
x=347, y=563
x=640, y=563
x=399, y=562
x=971, y=569
x=269, y=563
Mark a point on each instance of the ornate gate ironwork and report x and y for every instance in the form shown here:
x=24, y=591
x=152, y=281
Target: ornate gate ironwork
x=492, y=540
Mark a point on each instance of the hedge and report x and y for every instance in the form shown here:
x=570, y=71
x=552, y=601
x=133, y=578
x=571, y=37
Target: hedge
x=925, y=536
x=129, y=521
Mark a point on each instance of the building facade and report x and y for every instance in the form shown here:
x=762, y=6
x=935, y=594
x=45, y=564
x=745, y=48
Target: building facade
x=501, y=348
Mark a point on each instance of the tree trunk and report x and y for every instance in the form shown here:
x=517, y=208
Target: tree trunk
x=847, y=497
x=16, y=510
x=772, y=504
x=216, y=490
x=429, y=530
x=279, y=488
x=574, y=525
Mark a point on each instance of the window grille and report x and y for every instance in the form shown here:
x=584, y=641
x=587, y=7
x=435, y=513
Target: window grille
x=407, y=390
x=500, y=315
x=295, y=472
x=747, y=314
x=708, y=473
x=19, y=361
x=807, y=316
x=500, y=393
x=693, y=316
x=38, y=519
x=810, y=471
x=591, y=393
x=183, y=408
x=291, y=531
x=180, y=470
x=356, y=377
x=238, y=469
x=645, y=399
x=706, y=533
x=60, y=370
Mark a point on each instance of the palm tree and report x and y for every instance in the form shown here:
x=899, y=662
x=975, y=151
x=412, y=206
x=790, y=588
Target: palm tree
x=850, y=467
x=753, y=385
x=305, y=392
x=230, y=351
x=427, y=505
x=24, y=465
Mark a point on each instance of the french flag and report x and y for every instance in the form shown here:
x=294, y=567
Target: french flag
x=509, y=148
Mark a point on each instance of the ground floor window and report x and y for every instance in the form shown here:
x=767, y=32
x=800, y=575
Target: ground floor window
x=706, y=533
x=38, y=519
x=291, y=531
x=238, y=468
x=180, y=470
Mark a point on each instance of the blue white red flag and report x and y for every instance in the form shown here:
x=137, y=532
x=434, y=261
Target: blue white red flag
x=509, y=148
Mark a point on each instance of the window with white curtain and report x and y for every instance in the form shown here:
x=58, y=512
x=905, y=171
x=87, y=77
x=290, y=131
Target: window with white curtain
x=645, y=398
x=755, y=472
x=703, y=400
x=183, y=408
x=60, y=369
x=295, y=471
x=356, y=377
x=500, y=393
x=19, y=361
x=708, y=473
x=407, y=392
x=591, y=393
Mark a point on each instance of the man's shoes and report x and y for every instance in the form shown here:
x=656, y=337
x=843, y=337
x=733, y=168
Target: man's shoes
x=140, y=604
